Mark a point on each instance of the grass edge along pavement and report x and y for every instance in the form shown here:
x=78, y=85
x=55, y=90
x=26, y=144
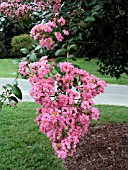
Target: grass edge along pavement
x=23, y=147
x=8, y=70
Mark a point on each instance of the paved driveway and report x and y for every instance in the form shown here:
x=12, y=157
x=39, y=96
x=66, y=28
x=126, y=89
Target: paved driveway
x=113, y=95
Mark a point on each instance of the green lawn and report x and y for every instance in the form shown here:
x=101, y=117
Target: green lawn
x=23, y=147
x=8, y=69
x=112, y=114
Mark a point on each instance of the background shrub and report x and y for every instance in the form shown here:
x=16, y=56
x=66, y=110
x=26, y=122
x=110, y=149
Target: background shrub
x=21, y=41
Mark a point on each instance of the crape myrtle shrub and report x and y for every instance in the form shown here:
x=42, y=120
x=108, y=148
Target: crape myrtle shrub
x=100, y=28
x=65, y=96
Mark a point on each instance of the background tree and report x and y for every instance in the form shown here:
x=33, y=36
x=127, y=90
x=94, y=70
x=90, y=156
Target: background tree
x=101, y=31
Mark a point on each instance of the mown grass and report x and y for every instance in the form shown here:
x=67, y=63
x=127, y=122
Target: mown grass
x=8, y=69
x=92, y=68
x=112, y=114
x=23, y=147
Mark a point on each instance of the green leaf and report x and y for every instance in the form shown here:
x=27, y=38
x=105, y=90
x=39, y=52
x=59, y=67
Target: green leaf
x=87, y=33
x=9, y=86
x=41, y=51
x=12, y=98
x=59, y=88
x=94, y=13
x=76, y=66
x=80, y=36
x=16, y=61
x=97, y=7
x=60, y=59
x=70, y=40
x=33, y=57
x=37, y=47
x=22, y=77
x=73, y=46
x=57, y=69
x=90, y=19
x=60, y=52
x=15, y=82
x=24, y=58
x=74, y=29
x=17, y=92
x=1, y=29
x=57, y=61
x=64, y=45
x=2, y=19
x=1, y=97
x=72, y=57
x=35, y=13
x=24, y=50
x=75, y=82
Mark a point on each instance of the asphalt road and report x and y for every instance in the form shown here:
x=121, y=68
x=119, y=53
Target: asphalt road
x=113, y=95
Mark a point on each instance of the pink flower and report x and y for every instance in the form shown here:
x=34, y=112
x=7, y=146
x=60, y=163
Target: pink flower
x=43, y=59
x=61, y=21
x=65, y=32
x=47, y=28
x=42, y=42
x=58, y=36
x=55, y=8
x=52, y=24
x=95, y=114
x=48, y=43
x=61, y=154
x=65, y=112
x=23, y=68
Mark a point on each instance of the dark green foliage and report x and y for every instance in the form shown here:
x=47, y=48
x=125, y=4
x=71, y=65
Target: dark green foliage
x=99, y=29
x=5, y=48
x=111, y=34
x=21, y=41
x=7, y=31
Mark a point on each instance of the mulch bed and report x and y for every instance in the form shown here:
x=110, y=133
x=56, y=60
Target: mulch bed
x=104, y=147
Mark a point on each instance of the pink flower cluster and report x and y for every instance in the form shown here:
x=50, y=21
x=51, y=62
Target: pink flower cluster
x=43, y=5
x=15, y=9
x=44, y=32
x=66, y=102
x=23, y=69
